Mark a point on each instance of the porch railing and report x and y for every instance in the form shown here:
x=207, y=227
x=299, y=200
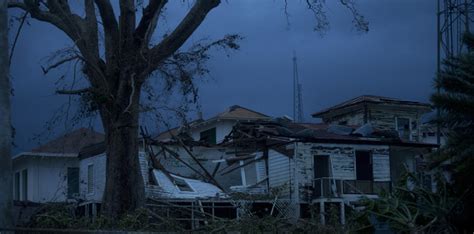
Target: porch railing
x=330, y=187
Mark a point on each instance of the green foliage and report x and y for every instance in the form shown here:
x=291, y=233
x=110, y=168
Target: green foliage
x=416, y=210
x=61, y=216
x=456, y=102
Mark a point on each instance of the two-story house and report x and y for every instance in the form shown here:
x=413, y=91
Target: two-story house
x=383, y=113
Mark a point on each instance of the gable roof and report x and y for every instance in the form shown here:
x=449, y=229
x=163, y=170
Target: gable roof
x=235, y=112
x=240, y=113
x=71, y=143
x=371, y=99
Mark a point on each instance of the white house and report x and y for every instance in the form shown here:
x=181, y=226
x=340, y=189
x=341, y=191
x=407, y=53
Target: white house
x=50, y=172
x=214, y=129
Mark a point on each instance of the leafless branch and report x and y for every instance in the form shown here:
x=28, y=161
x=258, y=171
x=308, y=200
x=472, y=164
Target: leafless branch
x=182, y=32
x=17, y=35
x=358, y=20
x=73, y=92
x=59, y=63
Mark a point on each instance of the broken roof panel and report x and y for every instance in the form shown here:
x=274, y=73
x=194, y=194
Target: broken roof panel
x=186, y=188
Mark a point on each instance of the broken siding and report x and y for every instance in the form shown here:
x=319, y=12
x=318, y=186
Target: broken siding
x=342, y=161
x=355, y=117
x=384, y=118
x=381, y=167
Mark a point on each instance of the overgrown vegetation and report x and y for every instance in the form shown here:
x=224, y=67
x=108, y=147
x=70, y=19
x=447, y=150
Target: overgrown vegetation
x=455, y=100
x=61, y=216
x=412, y=208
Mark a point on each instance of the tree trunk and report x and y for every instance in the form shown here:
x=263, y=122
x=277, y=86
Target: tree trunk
x=5, y=124
x=124, y=189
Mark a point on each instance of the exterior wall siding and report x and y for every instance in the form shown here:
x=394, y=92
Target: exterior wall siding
x=99, y=171
x=342, y=160
x=279, y=173
x=382, y=117
x=46, y=177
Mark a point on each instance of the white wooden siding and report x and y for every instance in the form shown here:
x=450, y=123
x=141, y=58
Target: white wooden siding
x=381, y=167
x=279, y=172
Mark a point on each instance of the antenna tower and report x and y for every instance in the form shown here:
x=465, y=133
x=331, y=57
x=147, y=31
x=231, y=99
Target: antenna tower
x=297, y=93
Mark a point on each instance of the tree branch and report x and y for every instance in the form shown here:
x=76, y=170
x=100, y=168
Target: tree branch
x=148, y=23
x=183, y=31
x=17, y=35
x=127, y=24
x=59, y=63
x=73, y=92
x=111, y=31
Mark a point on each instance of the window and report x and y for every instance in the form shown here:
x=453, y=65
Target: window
x=72, y=182
x=182, y=185
x=208, y=136
x=364, y=169
x=90, y=178
x=403, y=128
x=17, y=186
x=24, y=178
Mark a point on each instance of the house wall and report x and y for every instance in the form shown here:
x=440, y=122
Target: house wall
x=355, y=117
x=223, y=128
x=99, y=169
x=342, y=159
x=47, y=177
x=383, y=118
x=279, y=173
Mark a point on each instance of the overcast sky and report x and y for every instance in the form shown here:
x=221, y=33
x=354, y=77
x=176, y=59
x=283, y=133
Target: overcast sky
x=396, y=58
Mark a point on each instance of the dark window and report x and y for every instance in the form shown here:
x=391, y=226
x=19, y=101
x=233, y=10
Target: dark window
x=72, y=182
x=321, y=166
x=182, y=185
x=17, y=186
x=208, y=136
x=403, y=128
x=364, y=165
x=24, y=178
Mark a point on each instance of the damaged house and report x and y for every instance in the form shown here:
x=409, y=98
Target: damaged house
x=362, y=147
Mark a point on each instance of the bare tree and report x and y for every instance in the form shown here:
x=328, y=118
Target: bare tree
x=5, y=124
x=117, y=77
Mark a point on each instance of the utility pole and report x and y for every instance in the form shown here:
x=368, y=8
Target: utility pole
x=6, y=194
x=297, y=93
x=453, y=18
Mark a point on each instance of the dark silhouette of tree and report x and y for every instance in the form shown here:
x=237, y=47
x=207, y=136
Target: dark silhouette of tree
x=456, y=103
x=5, y=124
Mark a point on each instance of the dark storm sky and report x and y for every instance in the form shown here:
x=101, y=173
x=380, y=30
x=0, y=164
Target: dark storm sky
x=396, y=58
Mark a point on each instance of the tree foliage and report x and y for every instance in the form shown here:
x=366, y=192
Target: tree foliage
x=456, y=103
